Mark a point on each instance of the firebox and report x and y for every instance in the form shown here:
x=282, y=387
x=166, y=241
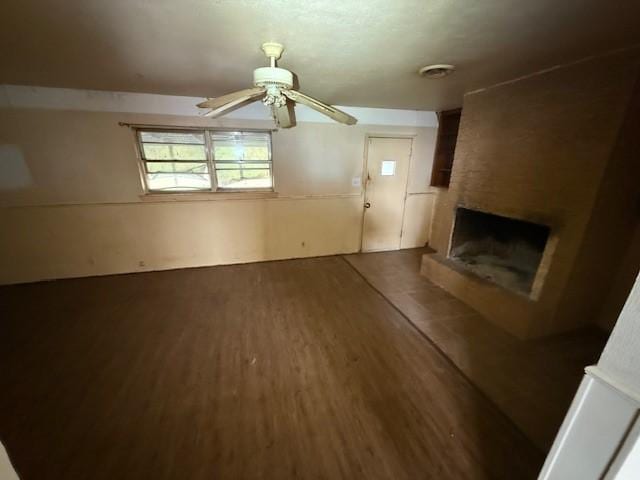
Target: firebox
x=503, y=250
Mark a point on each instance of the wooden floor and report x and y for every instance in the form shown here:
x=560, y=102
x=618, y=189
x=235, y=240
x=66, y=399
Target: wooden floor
x=532, y=382
x=292, y=369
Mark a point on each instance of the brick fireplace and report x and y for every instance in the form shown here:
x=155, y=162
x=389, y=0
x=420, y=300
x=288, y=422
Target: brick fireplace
x=536, y=219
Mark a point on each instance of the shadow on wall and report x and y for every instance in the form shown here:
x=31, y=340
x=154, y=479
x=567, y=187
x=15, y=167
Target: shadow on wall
x=609, y=258
x=15, y=171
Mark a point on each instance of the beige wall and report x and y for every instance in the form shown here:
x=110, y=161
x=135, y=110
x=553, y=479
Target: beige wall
x=78, y=207
x=539, y=148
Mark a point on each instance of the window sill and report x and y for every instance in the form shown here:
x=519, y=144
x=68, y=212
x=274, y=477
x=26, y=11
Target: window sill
x=207, y=196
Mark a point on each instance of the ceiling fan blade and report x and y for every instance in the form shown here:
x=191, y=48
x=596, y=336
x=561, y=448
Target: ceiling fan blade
x=232, y=101
x=328, y=110
x=284, y=116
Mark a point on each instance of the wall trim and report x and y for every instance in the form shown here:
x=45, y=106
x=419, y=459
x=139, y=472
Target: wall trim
x=599, y=374
x=159, y=198
x=21, y=96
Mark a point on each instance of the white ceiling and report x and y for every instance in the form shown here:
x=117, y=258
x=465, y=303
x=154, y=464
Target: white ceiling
x=345, y=52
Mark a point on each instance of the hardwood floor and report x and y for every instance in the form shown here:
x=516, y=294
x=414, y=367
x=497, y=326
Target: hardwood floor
x=533, y=382
x=291, y=369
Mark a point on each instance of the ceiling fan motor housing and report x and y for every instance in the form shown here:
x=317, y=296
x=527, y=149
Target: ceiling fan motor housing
x=272, y=76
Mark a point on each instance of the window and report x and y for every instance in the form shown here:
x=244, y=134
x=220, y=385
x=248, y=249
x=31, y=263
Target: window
x=242, y=159
x=445, y=147
x=388, y=168
x=205, y=160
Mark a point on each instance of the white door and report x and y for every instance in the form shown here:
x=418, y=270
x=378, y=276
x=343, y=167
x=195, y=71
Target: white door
x=385, y=192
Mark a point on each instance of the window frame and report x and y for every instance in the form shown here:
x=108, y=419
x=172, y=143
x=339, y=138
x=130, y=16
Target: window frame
x=209, y=159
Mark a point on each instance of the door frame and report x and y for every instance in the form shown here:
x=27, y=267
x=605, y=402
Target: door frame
x=365, y=161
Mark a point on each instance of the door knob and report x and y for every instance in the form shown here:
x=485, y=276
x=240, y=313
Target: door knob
x=367, y=205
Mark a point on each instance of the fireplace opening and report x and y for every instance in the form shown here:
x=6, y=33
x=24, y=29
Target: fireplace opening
x=502, y=250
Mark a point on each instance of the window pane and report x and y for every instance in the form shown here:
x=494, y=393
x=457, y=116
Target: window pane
x=178, y=181
x=226, y=152
x=241, y=146
x=157, y=151
x=243, y=159
x=256, y=153
x=172, y=137
x=240, y=152
x=244, y=178
x=179, y=167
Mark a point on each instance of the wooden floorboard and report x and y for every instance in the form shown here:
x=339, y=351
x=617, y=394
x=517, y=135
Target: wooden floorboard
x=532, y=382
x=291, y=369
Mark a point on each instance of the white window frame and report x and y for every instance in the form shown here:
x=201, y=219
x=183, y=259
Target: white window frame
x=210, y=159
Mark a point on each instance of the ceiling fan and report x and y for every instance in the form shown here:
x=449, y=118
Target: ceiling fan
x=274, y=86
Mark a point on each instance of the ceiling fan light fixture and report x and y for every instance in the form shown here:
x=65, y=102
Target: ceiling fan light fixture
x=439, y=70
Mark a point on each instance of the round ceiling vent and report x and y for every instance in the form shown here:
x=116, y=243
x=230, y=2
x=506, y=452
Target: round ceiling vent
x=436, y=71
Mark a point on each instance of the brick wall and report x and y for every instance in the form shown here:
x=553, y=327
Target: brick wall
x=538, y=149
